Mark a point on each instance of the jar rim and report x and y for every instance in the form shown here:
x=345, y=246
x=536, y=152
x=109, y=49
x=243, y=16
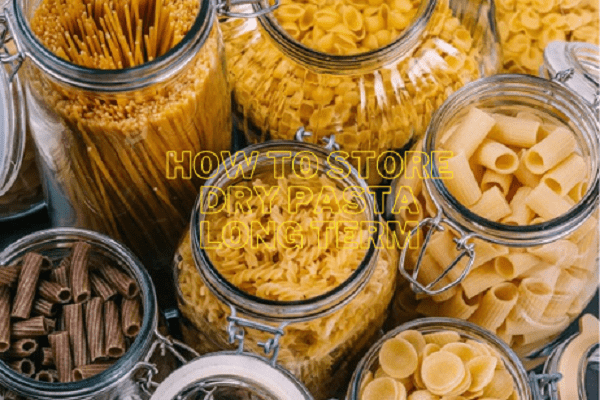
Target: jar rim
x=272, y=310
x=339, y=64
x=123, y=366
x=118, y=80
x=472, y=331
x=516, y=84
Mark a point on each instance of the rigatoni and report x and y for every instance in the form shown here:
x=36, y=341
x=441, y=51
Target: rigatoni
x=74, y=324
x=94, y=321
x=131, y=317
x=101, y=288
x=47, y=357
x=87, y=371
x=24, y=366
x=113, y=335
x=45, y=308
x=9, y=274
x=61, y=351
x=60, y=275
x=122, y=282
x=4, y=318
x=30, y=328
x=54, y=292
x=28, y=279
x=47, y=375
x=79, y=277
x=23, y=348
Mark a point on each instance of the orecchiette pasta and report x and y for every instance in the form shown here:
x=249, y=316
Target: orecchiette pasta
x=459, y=369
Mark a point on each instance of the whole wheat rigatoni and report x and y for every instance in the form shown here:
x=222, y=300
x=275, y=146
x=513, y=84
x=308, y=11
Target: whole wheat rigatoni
x=54, y=292
x=4, y=318
x=47, y=375
x=44, y=307
x=79, y=277
x=30, y=328
x=47, y=357
x=61, y=351
x=87, y=371
x=131, y=317
x=124, y=284
x=24, y=366
x=60, y=275
x=74, y=324
x=101, y=288
x=94, y=322
x=23, y=348
x=9, y=275
x=26, y=288
x=113, y=335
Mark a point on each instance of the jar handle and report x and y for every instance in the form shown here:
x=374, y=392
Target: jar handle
x=147, y=370
x=12, y=61
x=543, y=386
x=224, y=8
x=466, y=250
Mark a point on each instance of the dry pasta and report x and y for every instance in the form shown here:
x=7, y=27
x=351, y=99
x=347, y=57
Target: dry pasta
x=105, y=151
x=461, y=368
x=378, y=109
x=519, y=293
x=312, y=349
x=527, y=26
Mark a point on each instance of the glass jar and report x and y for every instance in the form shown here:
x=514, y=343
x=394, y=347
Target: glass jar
x=463, y=259
x=467, y=331
x=20, y=186
x=373, y=101
x=131, y=376
x=526, y=27
x=116, y=146
x=322, y=332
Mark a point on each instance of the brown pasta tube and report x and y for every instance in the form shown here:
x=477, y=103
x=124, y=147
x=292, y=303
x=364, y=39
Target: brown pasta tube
x=45, y=308
x=9, y=275
x=79, y=277
x=23, y=348
x=24, y=366
x=94, y=321
x=54, y=292
x=101, y=288
x=87, y=371
x=29, y=328
x=125, y=285
x=50, y=324
x=131, y=317
x=28, y=279
x=47, y=375
x=60, y=275
x=4, y=318
x=74, y=324
x=113, y=335
x=61, y=351
x=47, y=357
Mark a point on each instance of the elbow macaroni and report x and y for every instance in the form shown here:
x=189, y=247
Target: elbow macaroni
x=377, y=109
x=518, y=293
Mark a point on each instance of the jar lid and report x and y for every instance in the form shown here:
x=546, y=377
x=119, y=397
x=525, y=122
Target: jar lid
x=577, y=66
x=12, y=130
x=227, y=374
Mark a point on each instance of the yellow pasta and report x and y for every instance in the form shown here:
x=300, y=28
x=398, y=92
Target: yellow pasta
x=384, y=389
x=463, y=184
x=442, y=372
x=492, y=178
x=482, y=370
x=492, y=204
x=471, y=132
x=398, y=358
x=563, y=177
x=495, y=306
x=550, y=151
x=496, y=156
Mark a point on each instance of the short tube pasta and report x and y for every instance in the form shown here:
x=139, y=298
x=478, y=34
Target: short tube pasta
x=497, y=157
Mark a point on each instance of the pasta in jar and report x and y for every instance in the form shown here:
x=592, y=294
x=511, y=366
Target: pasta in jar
x=120, y=98
x=526, y=27
x=527, y=172
x=319, y=342
x=370, y=73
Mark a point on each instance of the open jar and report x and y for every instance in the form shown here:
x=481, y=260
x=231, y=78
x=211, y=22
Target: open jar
x=131, y=376
x=312, y=304
x=458, y=345
x=371, y=73
x=522, y=272
x=116, y=131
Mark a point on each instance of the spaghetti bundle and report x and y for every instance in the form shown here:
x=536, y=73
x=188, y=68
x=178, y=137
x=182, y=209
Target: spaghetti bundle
x=105, y=153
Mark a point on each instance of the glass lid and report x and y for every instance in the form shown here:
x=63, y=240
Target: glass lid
x=231, y=376
x=577, y=66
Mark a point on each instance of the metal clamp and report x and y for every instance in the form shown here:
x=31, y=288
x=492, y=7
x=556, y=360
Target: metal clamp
x=236, y=332
x=145, y=370
x=564, y=75
x=329, y=141
x=466, y=250
x=223, y=7
x=543, y=386
x=12, y=61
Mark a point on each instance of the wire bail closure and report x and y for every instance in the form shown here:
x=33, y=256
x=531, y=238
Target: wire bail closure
x=236, y=333
x=224, y=7
x=543, y=386
x=12, y=61
x=436, y=225
x=329, y=141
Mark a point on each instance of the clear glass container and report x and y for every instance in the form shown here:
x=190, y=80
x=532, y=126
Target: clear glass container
x=319, y=335
x=130, y=377
x=467, y=331
x=462, y=259
x=526, y=27
x=373, y=101
x=116, y=146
